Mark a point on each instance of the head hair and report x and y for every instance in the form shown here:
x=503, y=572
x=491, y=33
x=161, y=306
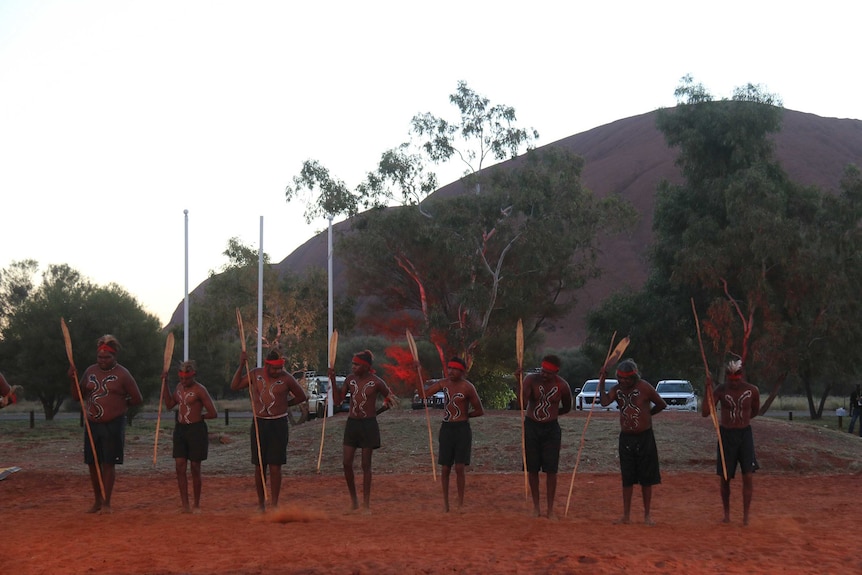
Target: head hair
x=366, y=356
x=628, y=365
x=109, y=341
x=553, y=360
x=273, y=355
x=189, y=365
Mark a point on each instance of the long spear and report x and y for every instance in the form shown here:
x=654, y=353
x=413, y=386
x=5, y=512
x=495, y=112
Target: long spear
x=708, y=393
x=333, y=347
x=612, y=357
x=251, y=399
x=519, y=350
x=68, y=340
x=412, y=344
x=169, y=353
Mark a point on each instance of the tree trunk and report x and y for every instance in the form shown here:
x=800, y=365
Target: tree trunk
x=776, y=387
x=823, y=397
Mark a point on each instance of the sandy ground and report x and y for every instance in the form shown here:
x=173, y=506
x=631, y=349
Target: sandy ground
x=801, y=522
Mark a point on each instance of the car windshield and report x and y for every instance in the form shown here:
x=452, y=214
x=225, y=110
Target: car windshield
x=591, y=385
x=675, y=387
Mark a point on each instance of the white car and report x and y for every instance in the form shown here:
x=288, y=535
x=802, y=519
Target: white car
x=584, y=399
x=678, y=394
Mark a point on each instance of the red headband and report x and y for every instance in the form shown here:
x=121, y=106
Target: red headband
x=735, y=375
x=108, y=348
x=275, y=362
x=362, y=360
x=548, y=366
x=626, y=373
x=188, y=373
x=457, y=365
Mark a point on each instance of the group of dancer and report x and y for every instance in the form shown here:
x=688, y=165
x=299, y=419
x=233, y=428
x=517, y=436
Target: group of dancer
x=107, y=389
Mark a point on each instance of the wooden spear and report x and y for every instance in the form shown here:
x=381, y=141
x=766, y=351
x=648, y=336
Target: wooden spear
x=415, y=352
x=251, y=399
x=68, y=340
x=166, y=365
x=612, y=358
x=519, y=351
x=708, y=397
x=333, y=347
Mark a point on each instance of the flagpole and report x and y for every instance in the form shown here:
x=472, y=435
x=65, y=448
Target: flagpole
x=260, y=298
x=331, y=326
x=186, y=300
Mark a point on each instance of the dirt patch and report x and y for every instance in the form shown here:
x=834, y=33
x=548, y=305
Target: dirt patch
x=802, y=517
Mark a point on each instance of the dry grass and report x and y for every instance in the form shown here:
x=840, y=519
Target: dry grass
x=686, y=443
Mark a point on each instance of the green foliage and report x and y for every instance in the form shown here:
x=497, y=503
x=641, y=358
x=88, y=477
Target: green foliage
x=482, y=132
x=460, y=271
x=33, y=350
x=332, y=195
x=770, y=264
x=16, y=284
x=483, y=261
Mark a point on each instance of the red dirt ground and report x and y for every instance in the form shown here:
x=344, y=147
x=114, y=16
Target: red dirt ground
x=799, y=525
x=804, y=517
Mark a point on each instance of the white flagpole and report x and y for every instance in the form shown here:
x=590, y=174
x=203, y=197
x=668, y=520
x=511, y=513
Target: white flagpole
x=186, y=300
x=330, y=408
x=260, y=297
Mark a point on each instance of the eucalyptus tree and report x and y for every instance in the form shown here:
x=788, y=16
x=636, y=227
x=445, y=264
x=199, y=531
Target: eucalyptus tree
x=755, y=250
x=464, y=269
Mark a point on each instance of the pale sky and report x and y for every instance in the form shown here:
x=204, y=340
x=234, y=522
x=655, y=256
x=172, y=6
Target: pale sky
x=116, y=115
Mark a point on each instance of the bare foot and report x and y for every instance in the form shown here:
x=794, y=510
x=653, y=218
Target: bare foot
x=196, y=511
x=726, y=519
x=553, y=516
x=622, y=521
x=106, y=510
x=95, y=508
x=648, y=520
x=536, y=512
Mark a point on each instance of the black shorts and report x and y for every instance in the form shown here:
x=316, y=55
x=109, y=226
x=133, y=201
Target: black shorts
x=455, y=443
x=542, y=442
x=110, y=440
x=273, y=441
x=639, y=458
x=191, y=441
x=738, y=448
x=363, y=433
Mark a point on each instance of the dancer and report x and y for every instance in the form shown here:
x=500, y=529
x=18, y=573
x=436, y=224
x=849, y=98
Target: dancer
x=638, y=402
x=361, y=430
x=191, y=435
x=546, y=397
x=739, y=401
x=107, y=389
x=461, y=402
x=273, y=392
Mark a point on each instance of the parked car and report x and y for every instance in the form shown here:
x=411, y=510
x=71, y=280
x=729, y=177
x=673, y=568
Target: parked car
x=588, y=393
x=322, y=384
x=434, y=401
x=678, y=394
x=315, y=389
